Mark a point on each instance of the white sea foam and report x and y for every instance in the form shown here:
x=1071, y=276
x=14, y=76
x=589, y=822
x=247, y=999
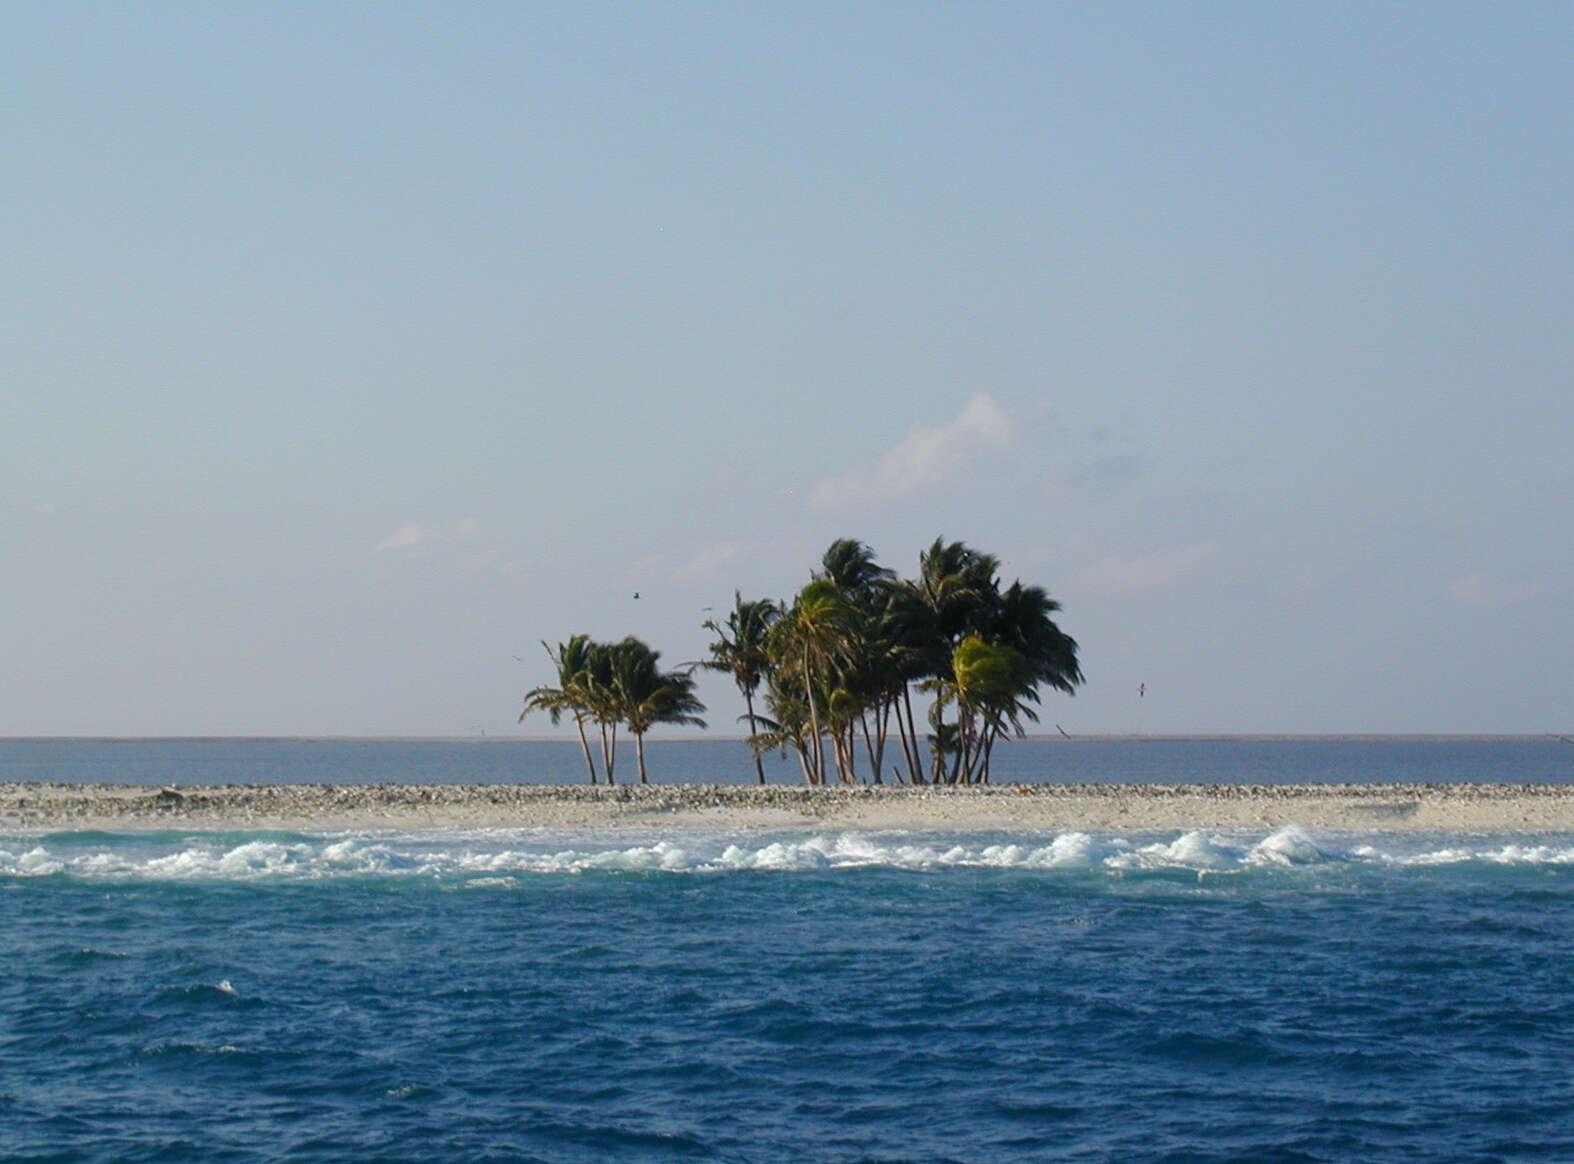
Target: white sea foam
x=498, y=859
x=1289, y=846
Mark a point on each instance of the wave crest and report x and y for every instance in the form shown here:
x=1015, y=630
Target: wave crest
x=499, y=858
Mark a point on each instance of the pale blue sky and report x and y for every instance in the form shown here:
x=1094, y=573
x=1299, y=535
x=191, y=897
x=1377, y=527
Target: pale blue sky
x=348, y=351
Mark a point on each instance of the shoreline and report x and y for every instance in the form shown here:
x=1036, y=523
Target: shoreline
x=1098, y=807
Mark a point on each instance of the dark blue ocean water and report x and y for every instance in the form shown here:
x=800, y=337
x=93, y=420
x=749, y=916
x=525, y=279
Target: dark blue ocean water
x=583, y=995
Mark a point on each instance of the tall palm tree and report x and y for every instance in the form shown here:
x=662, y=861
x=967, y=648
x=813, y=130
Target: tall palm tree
x=905, y=647
x=958, y=585
x=741, y=651
x=812, y=638
x=861, y=701
x=961, y=589
x=850, y=564
x=597, y=688
x=570, y=660
x=1023, y=621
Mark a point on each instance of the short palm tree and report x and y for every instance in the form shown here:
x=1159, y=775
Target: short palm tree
x=993, y=687
x=571, y=660
x=648, y=696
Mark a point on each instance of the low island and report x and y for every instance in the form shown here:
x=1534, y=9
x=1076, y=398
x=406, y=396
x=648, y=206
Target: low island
x=1095, y=807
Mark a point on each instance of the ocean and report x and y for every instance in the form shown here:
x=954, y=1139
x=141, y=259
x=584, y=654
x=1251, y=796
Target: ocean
x=1328, y=760
x=529, y=994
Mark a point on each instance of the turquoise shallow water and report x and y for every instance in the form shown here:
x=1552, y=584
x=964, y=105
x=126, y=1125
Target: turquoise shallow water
x=553, y=995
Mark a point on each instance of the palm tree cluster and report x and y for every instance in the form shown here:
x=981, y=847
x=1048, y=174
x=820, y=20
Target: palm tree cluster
x=840, y=662
x=614, y=685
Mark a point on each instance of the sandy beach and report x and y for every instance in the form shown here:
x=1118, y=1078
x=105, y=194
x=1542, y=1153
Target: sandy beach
x=1451, y=807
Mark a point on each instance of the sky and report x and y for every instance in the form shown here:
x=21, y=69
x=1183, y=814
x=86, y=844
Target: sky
x=349, y=352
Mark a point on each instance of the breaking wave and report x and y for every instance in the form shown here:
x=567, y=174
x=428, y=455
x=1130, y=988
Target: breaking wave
x=488, y=858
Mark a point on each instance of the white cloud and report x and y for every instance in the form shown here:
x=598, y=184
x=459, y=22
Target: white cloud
x=705, y=563
x=409, y=534
x=924, y=459
x=1479, y=590
x=414, y=533
x=1154, y=573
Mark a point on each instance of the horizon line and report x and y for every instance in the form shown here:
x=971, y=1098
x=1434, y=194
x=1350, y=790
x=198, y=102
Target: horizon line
x=1035, y=737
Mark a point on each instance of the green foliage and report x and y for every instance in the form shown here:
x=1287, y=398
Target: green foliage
x=845, y=657
x=613, y=685
x=839, y=665
x=740, y=650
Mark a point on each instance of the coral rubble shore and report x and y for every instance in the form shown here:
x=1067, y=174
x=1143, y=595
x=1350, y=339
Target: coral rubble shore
x=1454, y=807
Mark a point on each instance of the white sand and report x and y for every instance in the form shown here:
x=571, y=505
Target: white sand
x=1449, y=807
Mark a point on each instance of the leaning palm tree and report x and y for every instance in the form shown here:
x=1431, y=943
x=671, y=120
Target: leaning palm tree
x=1023, y=621
x=571, y=660
x=648, y=696
x=958, y=585
x=1012, y=646
x=850, y=564
x=740, y=651
x=993, y=686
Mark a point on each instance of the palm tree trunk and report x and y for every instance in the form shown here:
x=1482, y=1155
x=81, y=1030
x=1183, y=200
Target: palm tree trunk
x=874, y=756
x=639, y=750
x=584, y=745
x=609, y=748
x=803, y=762
x=959, y=760
x=882, y=735
x=748, y=703
x=909, y=733
x=818, y=774
x=964, y=747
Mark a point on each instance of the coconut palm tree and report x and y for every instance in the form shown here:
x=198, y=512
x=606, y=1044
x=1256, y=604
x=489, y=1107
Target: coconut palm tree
x=960, y=588
x=570, y=660
x=597, y=688
x=850, y=564
x=958, y=585
x=862, y=697
x=648, y=696
x=1023, y=621
x=908, y=646
x=811, y=640
x=740, y=651
x=993, y=687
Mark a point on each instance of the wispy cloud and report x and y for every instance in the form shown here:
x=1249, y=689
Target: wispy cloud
x=926, y=458
x=1152, y=573
x=1480, y=590
x=705, y=563
x=414, y=533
